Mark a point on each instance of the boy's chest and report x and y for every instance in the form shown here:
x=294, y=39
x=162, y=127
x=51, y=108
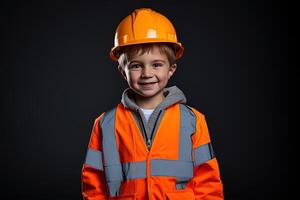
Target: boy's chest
x=132, y=141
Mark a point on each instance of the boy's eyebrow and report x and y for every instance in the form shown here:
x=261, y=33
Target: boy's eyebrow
x=132, y=61
x=157, y=60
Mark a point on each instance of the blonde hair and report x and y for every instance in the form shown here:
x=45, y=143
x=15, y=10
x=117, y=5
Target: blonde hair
x=127, y=52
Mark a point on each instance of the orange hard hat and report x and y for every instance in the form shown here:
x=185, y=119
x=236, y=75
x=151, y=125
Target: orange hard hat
x=145, y=26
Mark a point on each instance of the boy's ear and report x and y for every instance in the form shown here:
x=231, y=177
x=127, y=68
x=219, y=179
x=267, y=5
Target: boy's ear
x=122, y=72
x=172, y=70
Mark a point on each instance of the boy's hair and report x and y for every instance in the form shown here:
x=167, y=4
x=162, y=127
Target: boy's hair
x=127, y=52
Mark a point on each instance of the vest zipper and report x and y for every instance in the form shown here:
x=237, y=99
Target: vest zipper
x=148, y=141
x=153, y=129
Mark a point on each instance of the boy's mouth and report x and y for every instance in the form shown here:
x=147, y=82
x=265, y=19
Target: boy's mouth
x=147, y=85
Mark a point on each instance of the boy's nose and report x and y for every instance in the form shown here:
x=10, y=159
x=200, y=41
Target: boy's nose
x=147, y=72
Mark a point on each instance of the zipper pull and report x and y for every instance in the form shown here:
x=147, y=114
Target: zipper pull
x=148, y=144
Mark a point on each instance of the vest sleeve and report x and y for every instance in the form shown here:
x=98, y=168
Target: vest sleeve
x=206, y=182
x=92, y=176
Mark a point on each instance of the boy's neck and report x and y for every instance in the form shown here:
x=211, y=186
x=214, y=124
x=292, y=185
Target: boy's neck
x=149, y=102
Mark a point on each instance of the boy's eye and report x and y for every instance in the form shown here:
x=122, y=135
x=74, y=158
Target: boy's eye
x=135, y=66
x=157, y=64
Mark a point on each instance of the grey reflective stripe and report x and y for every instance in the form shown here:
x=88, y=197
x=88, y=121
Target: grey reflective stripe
x=94, y=159
x=203, y=154
x=113, y=173
x=187, y=129
x=159, y=167
x=112, y=165
x=114, y=188
x=175, y=168
x=110, y=151
x=134, y=170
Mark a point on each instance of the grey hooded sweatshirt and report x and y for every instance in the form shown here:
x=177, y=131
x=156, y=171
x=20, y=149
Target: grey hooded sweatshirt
x=173, y=95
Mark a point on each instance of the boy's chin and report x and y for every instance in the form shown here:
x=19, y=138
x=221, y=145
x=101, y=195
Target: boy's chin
x=148, y=93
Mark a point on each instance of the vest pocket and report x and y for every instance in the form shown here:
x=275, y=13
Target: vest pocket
x=181, y=195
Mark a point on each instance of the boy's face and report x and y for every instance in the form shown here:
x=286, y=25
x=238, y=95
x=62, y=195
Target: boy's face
x=148, y=74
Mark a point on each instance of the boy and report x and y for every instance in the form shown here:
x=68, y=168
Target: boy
x=151, y=145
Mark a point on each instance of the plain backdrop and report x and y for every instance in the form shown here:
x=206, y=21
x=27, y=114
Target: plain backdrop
x=56, y=78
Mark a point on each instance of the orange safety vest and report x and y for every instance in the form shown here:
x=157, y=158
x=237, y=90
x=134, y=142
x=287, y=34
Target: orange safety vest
x=179, y=165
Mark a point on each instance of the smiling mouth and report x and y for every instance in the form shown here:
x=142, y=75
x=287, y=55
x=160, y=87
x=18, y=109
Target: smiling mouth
x=147, y=86
x=147, y=83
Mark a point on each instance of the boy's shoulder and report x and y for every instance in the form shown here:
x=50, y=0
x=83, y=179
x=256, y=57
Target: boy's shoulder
x=107, y=112
x=196, y=112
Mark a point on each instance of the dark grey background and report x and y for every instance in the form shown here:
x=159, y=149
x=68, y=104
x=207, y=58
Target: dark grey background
x=56, y=78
